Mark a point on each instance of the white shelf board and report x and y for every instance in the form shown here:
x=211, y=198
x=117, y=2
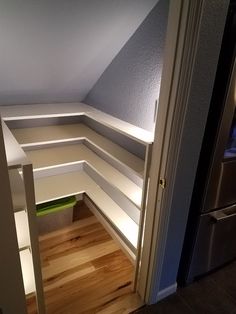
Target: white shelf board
x=19, y=112
x=14, y=153
x=27, y=271
x=53, y=187
x=17, y=189
x=50, y=157
x=22, y=229
x=34, y=111
x=69, y=132
x=115, y=214
x=72, y=183
x=123, y=127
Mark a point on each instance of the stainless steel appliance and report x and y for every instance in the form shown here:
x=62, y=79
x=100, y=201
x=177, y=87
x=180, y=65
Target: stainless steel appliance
x=211, y=231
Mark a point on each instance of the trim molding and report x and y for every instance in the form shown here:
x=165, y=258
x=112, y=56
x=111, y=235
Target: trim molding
x=182, y=38
x=181, y=59
x=166, y=292
x=178, y=103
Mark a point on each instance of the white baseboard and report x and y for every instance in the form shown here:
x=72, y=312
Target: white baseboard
x=167, y=291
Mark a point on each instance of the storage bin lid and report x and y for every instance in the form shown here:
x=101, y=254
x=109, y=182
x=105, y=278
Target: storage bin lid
x=55, y=205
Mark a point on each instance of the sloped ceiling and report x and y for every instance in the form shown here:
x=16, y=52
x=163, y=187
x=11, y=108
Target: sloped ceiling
x=56, y=50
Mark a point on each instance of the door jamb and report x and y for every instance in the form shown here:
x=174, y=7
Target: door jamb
x=184, y=23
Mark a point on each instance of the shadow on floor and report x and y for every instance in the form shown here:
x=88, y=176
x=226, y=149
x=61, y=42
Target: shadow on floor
x=213, y=294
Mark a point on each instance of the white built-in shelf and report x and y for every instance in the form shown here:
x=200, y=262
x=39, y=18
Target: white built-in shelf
x=73, y=159
x=77, y=182
x=138, y=134
x=14, y=153
x=125, y=225
x=22, y=229
x=73, y=109
x=67, y=154
x=18, y=112
x=27, y=271
x=71, y=132
x=17, y=189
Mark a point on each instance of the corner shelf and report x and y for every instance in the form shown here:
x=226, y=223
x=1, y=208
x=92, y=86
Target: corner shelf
x=138, y=134
x=78, y=182
x=69, y=154
x=27, y=137
x=20, y=112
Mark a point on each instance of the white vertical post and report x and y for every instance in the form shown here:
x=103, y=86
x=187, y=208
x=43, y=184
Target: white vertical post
x=31, y=212
x=12, y=296
x=142, y=214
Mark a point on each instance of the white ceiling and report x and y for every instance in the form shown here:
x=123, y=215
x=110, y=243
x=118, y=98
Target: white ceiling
x=55, y=50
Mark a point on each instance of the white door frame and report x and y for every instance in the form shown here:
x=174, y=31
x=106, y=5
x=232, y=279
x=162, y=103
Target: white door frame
x=184, y=24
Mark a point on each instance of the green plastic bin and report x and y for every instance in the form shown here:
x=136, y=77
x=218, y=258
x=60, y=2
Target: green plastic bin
x=55, y=214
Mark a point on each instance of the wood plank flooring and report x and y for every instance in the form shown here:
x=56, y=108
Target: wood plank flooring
x=84, y=270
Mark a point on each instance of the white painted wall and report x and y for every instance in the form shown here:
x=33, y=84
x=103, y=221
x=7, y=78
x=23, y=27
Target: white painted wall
x=55, y=51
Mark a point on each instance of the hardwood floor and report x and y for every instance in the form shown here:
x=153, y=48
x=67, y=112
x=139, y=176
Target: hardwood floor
x=84, y=270
x=212, y=294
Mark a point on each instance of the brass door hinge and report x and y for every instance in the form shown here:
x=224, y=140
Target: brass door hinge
x=162, y=183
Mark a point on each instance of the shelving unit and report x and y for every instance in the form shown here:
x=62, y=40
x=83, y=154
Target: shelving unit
x=74, y=132
x=78, y=182
x=25, y=217
x=74, y=158
x=37, y=111
x=69, y=154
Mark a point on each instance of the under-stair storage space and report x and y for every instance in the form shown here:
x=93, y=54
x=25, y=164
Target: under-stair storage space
x=87, y=152
x=79, y=101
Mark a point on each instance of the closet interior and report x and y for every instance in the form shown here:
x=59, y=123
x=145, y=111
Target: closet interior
x=89, y=149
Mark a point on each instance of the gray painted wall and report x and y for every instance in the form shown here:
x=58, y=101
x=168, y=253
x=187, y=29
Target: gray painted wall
x=55, y=50
x=130, y=85
x=213, y=20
